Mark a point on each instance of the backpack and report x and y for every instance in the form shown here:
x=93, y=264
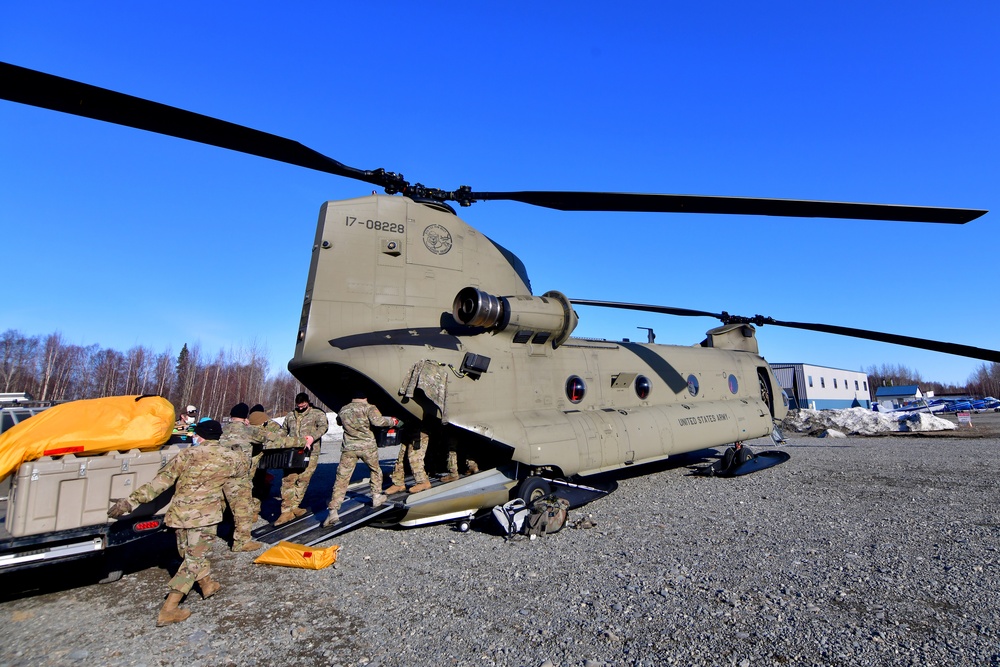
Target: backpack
x=548, y=515
x=511, y=516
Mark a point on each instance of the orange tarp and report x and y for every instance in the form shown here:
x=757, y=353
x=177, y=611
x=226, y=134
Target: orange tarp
x=88, y=427
x=290, y=554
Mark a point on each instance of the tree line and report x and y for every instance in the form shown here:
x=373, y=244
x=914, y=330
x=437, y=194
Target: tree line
x=51, y=370
x=984, y=381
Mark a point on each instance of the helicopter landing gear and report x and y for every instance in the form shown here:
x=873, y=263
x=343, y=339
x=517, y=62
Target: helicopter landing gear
x=533, y=488
x=462, y=525
x=741, y=460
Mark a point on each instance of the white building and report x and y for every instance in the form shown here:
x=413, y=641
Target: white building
x=822, y=388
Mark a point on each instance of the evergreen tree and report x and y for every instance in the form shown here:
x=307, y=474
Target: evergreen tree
x=180, y=384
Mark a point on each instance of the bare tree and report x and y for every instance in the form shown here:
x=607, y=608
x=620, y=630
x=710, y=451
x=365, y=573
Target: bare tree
x=163, y=373
x=17, y=361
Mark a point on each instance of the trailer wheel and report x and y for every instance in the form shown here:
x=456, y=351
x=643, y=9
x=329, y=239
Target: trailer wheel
x=533, y=488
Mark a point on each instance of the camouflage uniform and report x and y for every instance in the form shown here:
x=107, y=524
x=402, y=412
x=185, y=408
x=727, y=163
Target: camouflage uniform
x=239, y=490
x=470, y=465
x=431, y=377
x=357, y=418
x=414, y=452
x=199, y=474
x=300, y=424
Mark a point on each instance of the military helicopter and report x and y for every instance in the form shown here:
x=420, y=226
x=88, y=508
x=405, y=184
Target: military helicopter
x=438, y=324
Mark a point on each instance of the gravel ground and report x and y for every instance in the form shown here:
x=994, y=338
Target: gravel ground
x=858, y=551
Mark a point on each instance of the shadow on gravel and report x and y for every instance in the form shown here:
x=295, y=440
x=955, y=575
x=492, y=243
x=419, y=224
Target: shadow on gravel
x=694, y=458
x=487, y=523
x=159, y=550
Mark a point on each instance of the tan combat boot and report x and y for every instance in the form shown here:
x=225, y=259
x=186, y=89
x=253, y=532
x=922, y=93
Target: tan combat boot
x=250, y=545
x=298, y=511
x=395, y=488
x=417, y=488
x=285, y=517
x=331, y=518
x=209, y=586
x=170, y=613
x=450, y=477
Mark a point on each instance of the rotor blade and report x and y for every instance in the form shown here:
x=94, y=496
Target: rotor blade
x=759, y=320
x=26, y=86
x=19, y=84
x=796, y=208
x=909, y=341
x=663, y=310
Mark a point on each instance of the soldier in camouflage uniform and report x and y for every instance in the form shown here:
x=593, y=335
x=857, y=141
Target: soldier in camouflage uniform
x=414, y=452
x=239, y=434
x=452, y=464
x=357, y=418
x=274, y=436
x=427, y=383
x=198, y=473
x=304, y=420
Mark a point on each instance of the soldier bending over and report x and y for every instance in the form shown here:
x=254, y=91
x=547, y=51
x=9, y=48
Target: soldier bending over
x=198, y=473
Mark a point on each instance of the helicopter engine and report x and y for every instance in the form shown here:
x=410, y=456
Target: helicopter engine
x=538, y=319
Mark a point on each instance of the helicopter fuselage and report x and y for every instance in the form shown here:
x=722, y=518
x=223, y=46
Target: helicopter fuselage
x=437, y=323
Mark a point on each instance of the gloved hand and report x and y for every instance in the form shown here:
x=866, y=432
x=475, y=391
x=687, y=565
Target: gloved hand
x=121, y=507
x=399, y=423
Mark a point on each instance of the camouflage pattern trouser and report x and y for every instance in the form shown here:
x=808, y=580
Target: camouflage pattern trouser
x=239, y=495
x=348, y=460
x=194, y=545
x=254, y=462
x=413, y=452
x=293, y=486
x=470, y=465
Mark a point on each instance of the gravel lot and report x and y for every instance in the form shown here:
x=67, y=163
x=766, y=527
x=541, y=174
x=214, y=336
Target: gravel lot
x=873, y=551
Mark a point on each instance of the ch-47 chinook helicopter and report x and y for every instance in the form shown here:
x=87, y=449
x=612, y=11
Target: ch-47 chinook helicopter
x=437, y=324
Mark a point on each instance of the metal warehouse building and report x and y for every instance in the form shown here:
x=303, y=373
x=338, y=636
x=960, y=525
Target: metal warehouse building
x=821, y=388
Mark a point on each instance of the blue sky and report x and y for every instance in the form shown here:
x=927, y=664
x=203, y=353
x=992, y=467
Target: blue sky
x=121, y=237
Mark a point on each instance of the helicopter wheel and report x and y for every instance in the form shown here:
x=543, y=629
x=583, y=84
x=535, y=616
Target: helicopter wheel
x=463, y=526
x=533, y=488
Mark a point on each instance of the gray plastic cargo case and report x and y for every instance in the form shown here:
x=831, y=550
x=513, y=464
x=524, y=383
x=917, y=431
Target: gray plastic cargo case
x=66, y=492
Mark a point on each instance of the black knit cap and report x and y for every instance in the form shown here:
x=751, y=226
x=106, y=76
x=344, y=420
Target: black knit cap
x=240, y=411
x=208, y=429
x=257, y=408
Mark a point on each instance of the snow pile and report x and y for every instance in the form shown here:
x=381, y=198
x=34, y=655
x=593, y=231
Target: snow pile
x=859, y=421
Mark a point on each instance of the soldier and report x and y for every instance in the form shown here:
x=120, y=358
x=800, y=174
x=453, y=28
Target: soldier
x=186, y=421
x=414, y=452
x=198, y=473
x=247, y=439
x=269, y=435
x=304, y=420
x=452, y=464
x=238, y=491
x=357, y=418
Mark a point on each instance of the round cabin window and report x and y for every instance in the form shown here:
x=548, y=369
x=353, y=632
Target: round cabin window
x=643, y=387
x=692, y=385
x=575, y=389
